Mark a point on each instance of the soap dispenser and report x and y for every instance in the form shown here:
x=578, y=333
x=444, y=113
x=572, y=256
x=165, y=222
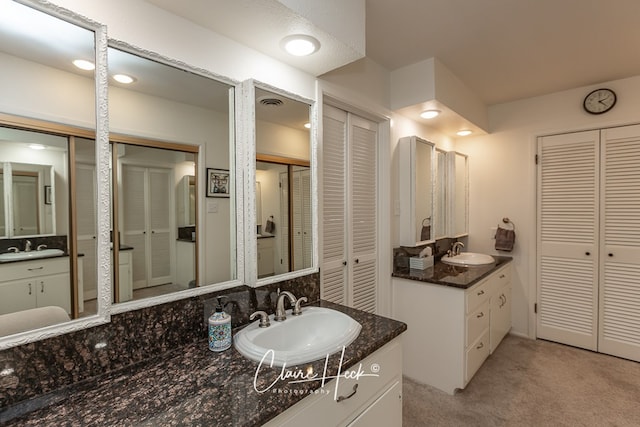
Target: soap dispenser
x=219, y=328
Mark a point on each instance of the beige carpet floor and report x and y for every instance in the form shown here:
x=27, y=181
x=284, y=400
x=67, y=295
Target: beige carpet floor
x=534, y=383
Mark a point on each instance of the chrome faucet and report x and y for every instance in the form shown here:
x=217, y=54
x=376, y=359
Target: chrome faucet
x=27, y=246
x=13, y=249
x=297, y=311
x=41, y=247
x=455, y=248
x=280, y=313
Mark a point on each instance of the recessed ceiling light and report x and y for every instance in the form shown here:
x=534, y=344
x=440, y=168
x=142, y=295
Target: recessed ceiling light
x=123, y=78
x=307, y=125
x=464, y=132
x=36, y=146
x=430, y=114
x=84, y=65
x=300, y=44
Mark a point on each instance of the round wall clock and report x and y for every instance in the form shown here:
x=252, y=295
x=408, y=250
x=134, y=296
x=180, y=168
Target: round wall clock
x=599, y=101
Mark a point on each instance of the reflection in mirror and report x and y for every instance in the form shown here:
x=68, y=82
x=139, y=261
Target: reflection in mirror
x=45, y=100
x=440, y=200
x=167, y=126
x=459, y=194
x=283, y=146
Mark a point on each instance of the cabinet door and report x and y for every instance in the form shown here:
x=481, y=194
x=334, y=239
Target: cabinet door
x=53, y=290
x=568, y=211
x=17, y=296
x=620, y=243
x=384, y=412
x=500, y=315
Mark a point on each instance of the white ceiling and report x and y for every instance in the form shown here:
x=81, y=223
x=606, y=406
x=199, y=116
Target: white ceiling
x=505, y=50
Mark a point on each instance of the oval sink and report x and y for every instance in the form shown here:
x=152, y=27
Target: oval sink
x=313, y=335
x=468, y=258
x=19, y=256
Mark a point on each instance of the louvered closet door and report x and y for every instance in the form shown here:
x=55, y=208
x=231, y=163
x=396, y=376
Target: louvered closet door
x=159, y=244
x=307, y=234
x=133, y=217
x=362, y=212
x=86, y=213
x=620, y=238
x=333, y=272
x=567, y=238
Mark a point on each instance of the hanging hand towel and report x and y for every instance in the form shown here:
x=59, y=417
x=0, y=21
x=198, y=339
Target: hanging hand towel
x=270, y=226
x=505, y=239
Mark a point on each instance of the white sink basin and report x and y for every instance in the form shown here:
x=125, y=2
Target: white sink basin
x=19, y=256
x=314, y=334
x=468, y=258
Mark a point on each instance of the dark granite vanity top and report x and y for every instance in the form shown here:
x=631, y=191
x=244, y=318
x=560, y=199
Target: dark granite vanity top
x=191, y=385
x=451, y=275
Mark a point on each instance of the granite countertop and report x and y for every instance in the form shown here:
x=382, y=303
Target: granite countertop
x=192, y=385
x=452, y=275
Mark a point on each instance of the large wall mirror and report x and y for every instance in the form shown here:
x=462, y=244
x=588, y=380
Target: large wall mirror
x=284, y=186
x=170, y=126
x=48, y=105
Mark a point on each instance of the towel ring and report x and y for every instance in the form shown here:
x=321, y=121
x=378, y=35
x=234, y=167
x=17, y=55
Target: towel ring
x=428, y=219
x=507, y=221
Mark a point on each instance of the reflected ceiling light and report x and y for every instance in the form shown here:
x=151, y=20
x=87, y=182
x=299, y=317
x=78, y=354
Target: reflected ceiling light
x=84, y=65
x=36, y=146
x=307, y=125
x=123, y=78
x=464, y=132
x=300, y=44
x=430, y=114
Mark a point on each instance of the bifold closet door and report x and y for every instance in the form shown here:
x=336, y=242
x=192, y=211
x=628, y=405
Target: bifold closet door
x=620, y=243
x=568, y=217
x=349, y=210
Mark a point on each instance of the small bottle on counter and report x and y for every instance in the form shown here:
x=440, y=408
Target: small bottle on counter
x=220, y=328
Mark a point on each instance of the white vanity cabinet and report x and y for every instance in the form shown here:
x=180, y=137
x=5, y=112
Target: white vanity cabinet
x=377, y=400
x=37, y=283
x=451, y=331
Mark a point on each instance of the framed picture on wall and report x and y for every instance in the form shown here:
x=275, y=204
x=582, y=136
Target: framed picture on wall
x=217, y=182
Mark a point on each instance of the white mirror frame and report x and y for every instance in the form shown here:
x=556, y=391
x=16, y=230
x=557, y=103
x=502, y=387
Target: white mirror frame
x=236, y=118
x=249, y=166
x=103, y=196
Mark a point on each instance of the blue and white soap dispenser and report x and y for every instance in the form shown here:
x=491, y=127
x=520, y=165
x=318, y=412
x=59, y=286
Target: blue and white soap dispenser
x=220, y=328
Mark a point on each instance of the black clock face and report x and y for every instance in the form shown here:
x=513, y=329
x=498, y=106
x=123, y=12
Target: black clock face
x=599, y=101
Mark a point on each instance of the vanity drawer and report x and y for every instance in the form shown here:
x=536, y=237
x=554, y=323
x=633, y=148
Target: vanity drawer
x=33, y=268
x=476, y=355
x=477, y=322
x=478, y=295
x=323, y=410
x=501, y=277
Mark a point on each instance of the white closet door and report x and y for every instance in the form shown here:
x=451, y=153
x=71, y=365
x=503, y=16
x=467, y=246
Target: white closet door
x=86, y=213
x=307, y=235
x=620, y=243
x=363, y=220
x=567, y=238
x=159, y=244
x=333, y=272
x=297, y=212
x=284, y=221
x=133, y=227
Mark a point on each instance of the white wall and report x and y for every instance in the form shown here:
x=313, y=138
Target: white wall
x=503, y=174
x=282, y=141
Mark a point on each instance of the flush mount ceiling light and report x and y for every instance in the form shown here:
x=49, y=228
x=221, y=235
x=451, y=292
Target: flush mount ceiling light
x=430, y=114
x=36, y=146
x=123, y=78
x=307, y=125
x=300, y=45
x=464, y=132
x=84, y=65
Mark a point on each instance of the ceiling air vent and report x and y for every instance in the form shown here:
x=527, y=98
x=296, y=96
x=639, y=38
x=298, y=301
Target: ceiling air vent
x=270, y=101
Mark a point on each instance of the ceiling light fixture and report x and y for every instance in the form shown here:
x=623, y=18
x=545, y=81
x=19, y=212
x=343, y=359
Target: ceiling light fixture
x=123, y=78
x=464, y=132
x=307, y=125
x=430, y=114
x=300, y=45
x=84, y=65
x=36, y=146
